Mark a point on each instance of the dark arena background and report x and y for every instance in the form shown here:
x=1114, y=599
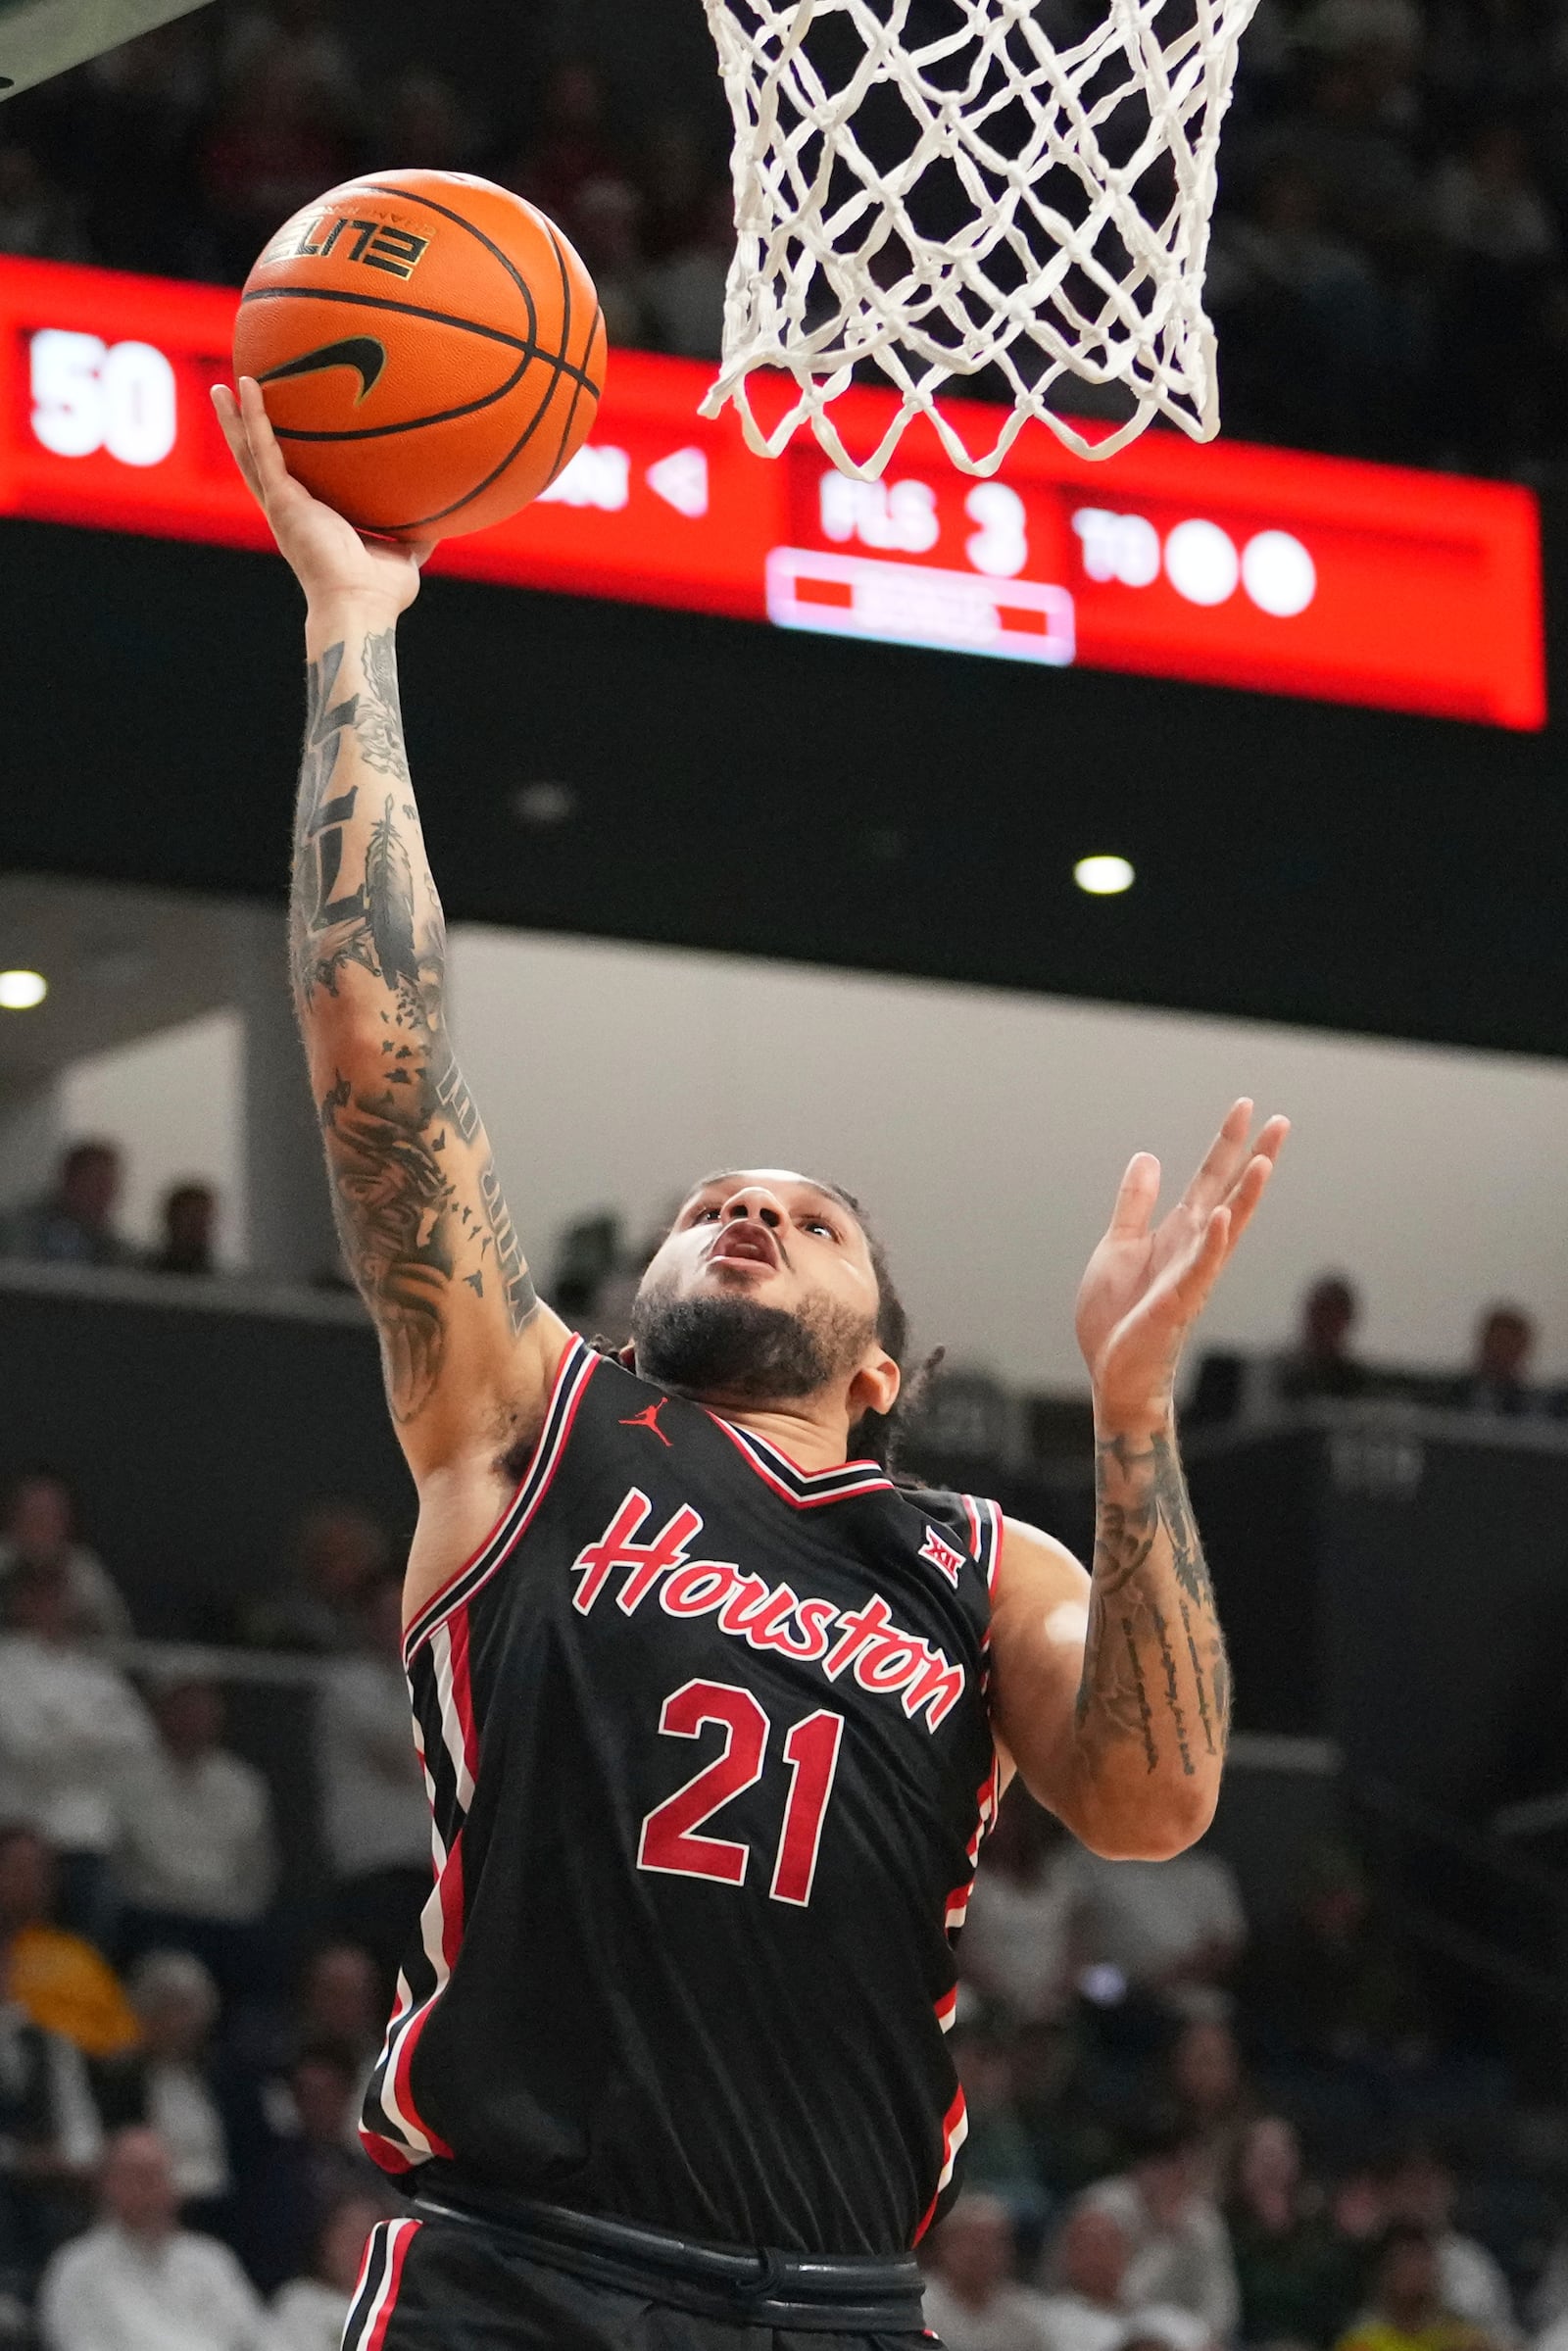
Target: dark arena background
x=954, y=841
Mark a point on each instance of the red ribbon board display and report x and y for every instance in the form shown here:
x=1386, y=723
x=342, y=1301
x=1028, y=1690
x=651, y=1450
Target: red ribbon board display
x=1225, y=565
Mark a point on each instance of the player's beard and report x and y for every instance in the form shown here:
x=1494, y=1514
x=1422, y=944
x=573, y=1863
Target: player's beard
x=722, y=1345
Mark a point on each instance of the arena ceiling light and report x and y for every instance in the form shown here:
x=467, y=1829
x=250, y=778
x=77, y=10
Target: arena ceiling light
x=21, y=990
x=1103, y=877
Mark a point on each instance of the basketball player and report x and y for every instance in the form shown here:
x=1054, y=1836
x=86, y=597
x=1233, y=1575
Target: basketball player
x=713, y=1713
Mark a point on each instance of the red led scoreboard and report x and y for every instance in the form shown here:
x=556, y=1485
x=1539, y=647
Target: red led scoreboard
x=1229, y=565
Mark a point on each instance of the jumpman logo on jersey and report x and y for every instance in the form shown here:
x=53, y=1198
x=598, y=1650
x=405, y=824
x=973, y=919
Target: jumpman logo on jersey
x=649, y=1419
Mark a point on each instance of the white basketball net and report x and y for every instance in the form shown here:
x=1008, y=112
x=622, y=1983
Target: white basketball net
x=1029, y=212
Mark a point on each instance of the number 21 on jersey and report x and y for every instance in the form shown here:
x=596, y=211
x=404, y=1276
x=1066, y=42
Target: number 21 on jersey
x=669, y=1840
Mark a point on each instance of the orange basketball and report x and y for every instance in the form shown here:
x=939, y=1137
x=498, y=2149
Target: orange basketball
x=429, y=347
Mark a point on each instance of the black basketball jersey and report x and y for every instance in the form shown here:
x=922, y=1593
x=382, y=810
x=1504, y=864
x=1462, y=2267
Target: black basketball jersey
x=709, y=1756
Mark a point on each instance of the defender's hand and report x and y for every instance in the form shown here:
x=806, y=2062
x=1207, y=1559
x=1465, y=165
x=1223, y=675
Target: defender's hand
x=1144, y=1288
x=329, y=558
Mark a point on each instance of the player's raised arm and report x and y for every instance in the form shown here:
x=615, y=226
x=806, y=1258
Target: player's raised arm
x=468, y=1351
x=1112, y=1690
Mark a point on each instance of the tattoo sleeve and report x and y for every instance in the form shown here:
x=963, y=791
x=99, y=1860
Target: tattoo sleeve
x=414, y=1191
x=1156, y=1690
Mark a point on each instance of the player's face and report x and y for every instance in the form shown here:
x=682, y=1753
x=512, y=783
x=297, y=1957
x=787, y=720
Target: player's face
x=764, y=1290
x=769, y=1236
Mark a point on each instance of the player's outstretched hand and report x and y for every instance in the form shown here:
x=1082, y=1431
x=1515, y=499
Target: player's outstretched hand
x=329, y=558
x=1147, y=1284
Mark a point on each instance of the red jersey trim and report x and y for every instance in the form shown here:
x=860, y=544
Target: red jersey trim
x=577, y=1368
x=380, y=2282
x=804, y=1489
x=954, y=2130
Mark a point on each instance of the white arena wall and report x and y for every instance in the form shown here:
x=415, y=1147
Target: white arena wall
x=985, y=1131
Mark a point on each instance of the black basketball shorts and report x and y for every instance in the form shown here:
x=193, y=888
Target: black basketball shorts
x=436, y=2283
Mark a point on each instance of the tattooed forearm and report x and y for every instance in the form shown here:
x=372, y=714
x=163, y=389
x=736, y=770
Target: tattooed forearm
x=379, y=721
x=517, y=1283
x=326, y=921
x=397, y=1120
x=1145, y=1686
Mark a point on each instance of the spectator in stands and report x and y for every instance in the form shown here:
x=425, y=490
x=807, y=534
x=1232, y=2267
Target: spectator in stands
x=1207, y=2088
x=339, y=1552
x=1501, y=277
x=1062, y=2106
x=1169, y=1932
x=1406, y=2309
x=1549, y=2302
x=1231, y=1386
x=69, y=1725
x=1178, y=2248
x=1017, y=1946
x=605, y=222
x=1088, y=2267
x=1089, y=2310
x=423, y=121
x=1358, y=2209
x=1352, y=145
x=133, y=120
x=375, y=1815
x=1322, y=1364
x=74, y=1223
x=998, y=2154
x=589, y=1253
x=305, y=34
x=311, y=2163
x=1485, y=203
x=683, y=292
x=308, y=2313
x=37, y=218
x=1499, y=1379
x=56, y=1979
x=1420, y=2189
x=189, y=1218
x=342, y=2003
x=972, y=2300
x=1298, y=2276
x=50, y=2140
x=573, y=145
x=140, y=2283
x=677, y=178
x=1330, y=1978
x=278, y=143
x=39, y=1531
x=170, y=2083
x=197, y=1854
x=1281, y=280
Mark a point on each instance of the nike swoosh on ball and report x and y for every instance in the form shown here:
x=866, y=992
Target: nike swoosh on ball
x=363, y=353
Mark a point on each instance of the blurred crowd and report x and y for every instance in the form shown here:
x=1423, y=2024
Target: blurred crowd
x=599, y=1264
x=1388, y=268
x=1188, y=2128
x=185, y=2033
x=1189, y=2134
x=182, y=152
x=1197, y=2118
x=75, y=1221
x=1323, y=1366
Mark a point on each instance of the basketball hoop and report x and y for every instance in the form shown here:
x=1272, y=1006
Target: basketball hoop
x=943, y=190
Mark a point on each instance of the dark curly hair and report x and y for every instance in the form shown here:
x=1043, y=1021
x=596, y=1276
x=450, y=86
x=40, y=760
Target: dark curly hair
x=879, y=1436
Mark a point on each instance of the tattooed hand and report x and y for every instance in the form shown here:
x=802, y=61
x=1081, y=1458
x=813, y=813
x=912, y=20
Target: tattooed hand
x=1144, y=1288
x=329, y=558
x=1138, y=1775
